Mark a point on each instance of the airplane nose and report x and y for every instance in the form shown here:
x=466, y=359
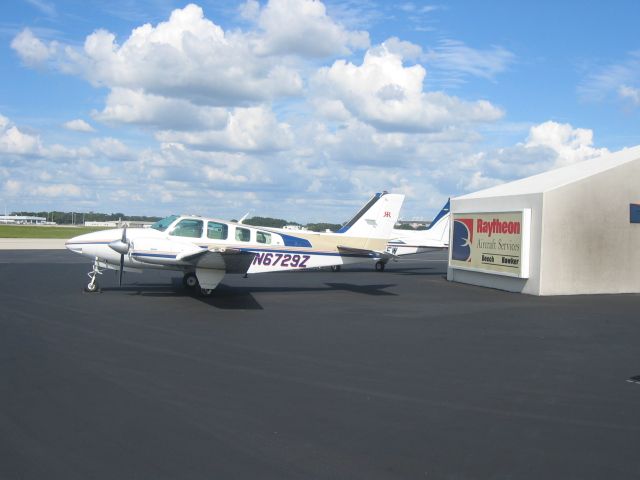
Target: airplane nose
x=74, y=244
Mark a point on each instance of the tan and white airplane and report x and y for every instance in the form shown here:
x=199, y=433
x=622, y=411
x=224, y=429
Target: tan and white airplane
x=205, y=249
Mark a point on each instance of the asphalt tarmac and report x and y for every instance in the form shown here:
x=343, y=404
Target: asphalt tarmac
x=311, y=375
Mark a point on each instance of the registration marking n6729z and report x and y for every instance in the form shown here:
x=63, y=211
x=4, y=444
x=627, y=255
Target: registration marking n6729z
x=269, y=259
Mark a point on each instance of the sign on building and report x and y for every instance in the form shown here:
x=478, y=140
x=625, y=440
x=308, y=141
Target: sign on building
x=491, y=242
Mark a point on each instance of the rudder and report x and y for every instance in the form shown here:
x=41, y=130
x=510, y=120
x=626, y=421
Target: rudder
x=377, y=218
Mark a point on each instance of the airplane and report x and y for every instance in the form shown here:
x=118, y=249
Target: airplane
x=408, y=242
x=205, y=249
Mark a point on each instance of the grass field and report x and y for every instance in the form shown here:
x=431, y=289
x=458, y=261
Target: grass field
x=29, y=231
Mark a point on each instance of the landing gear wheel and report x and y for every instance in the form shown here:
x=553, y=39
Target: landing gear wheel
x=336, y=268
x=380, y=266
x=190, y=280
x=92, y=286
x=206, y=292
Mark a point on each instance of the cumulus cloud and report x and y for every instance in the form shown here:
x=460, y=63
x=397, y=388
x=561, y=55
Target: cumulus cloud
x=235, y=119
x=111, y=148
x=302, y=27
x=31, y=50
x=137, y=107
x=406, y=50
x=548, y=145
x=78, y=125
x=12, y=187
x=569, y=144
x=383, y=92
x=58, y=190
x=253, y=129
x=187, y=56
x=218, y=175
x=14, y=141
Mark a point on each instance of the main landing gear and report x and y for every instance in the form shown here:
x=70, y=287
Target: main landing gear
x=190, y=282
x=380, y=266
x=92, y=286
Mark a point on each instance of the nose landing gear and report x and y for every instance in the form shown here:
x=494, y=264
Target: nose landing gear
x=92, y=286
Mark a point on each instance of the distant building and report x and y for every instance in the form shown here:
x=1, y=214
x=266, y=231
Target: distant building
x=119, y=224
x=102, y=224
x=23, y=220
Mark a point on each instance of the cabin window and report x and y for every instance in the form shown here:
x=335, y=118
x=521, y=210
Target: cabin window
x=263, y=237
x=188, y=228
x=243, y=234
x=163, y=224
x=217, y=231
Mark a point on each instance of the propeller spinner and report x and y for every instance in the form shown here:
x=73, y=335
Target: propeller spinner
x=121, y=246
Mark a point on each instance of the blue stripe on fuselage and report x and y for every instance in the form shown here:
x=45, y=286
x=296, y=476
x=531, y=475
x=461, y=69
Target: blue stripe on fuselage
x=155, y=255
x=306, y=252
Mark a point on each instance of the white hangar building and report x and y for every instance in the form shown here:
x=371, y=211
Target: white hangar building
x=574, y=230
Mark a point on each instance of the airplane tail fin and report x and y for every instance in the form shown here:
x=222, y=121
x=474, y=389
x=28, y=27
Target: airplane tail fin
x=439, y=227
x=377, y=218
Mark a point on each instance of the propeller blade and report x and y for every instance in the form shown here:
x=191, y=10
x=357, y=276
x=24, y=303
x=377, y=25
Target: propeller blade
x=123, y=245
x=126, y=246
x=121, y=268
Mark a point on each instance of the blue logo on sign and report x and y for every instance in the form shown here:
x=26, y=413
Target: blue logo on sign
x=462, y=239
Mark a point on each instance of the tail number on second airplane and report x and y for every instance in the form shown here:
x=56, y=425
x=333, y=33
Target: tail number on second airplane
x=283, y=260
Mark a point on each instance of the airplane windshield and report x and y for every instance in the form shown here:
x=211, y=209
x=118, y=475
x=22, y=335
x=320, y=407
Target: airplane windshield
x=163, y=224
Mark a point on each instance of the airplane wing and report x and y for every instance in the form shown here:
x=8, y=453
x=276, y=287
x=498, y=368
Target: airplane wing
x=230, y=260
x=363, y=252
x=211, y=265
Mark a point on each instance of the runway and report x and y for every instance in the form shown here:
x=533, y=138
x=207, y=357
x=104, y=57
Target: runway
x=311, y=375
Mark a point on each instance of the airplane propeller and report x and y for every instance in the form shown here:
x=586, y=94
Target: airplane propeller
x=121, y=246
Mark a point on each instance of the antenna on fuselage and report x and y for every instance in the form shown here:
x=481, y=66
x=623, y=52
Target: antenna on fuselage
x=245, y=217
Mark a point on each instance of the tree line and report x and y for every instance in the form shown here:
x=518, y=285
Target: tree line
x=68, y=218
x=281, y=222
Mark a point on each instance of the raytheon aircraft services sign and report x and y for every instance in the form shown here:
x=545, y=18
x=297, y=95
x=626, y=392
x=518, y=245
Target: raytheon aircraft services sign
x=491, y=242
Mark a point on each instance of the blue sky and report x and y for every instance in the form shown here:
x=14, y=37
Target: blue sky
x=301, y=109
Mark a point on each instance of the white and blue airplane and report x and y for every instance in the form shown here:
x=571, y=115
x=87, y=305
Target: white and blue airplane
x=411, y=242
x=205, y=249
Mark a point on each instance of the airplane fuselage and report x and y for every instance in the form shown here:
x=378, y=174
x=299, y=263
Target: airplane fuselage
x=274, y=250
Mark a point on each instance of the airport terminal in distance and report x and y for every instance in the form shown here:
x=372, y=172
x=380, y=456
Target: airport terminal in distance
x=513, y=353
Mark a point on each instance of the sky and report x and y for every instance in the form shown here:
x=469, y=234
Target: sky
x=303, y=109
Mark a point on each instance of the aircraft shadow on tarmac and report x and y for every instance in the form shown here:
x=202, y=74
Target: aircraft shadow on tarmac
x=241, y=298
x=419, y=271
x=399, y=269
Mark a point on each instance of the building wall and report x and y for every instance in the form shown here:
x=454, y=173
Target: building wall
x=588, y=243
x=497, y=204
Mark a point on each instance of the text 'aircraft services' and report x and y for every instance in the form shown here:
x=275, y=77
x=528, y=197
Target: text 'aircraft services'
x=206, y=249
